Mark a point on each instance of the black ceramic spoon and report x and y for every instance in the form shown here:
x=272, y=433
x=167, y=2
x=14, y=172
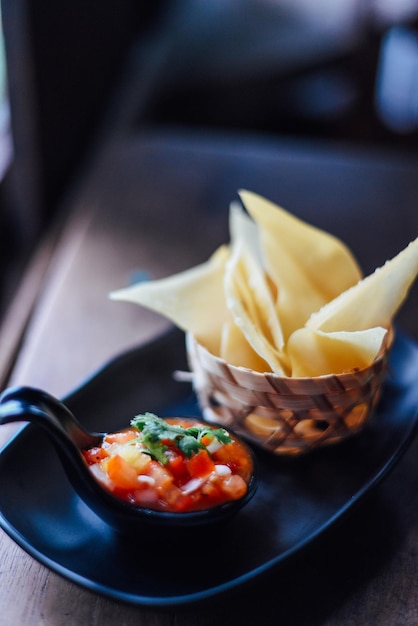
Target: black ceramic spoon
x=27, y=404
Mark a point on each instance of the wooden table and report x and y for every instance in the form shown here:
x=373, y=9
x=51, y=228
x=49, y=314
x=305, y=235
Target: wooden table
x=158, y=202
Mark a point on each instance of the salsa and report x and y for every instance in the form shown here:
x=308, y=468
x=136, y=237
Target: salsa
x=174, y=464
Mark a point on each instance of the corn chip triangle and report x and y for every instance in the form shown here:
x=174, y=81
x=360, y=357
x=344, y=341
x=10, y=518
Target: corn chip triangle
x=249, y=297
x=236, y=350
x=193, y=299
x=309, y=266
x=375, y=300
x=316, y=353
x=283, y=296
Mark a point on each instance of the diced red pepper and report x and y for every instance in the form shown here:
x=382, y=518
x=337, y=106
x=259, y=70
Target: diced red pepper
x=200, y=465
x=207, y=440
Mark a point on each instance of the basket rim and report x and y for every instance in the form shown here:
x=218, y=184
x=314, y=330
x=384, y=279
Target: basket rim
x=381, y=356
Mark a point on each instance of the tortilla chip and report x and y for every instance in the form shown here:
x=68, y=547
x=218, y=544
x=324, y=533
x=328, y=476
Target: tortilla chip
x=316, y=353
x=236, y=350
x=242, y=280
x=284, y=296
x=375, y=300
x=309, y=266
x=243, y=230
x=193, y=299
x=245, y=239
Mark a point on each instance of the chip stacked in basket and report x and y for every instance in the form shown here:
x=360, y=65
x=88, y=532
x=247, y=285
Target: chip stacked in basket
x=287, y=342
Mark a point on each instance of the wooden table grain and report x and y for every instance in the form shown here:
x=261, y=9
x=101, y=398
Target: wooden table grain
x=158, y=202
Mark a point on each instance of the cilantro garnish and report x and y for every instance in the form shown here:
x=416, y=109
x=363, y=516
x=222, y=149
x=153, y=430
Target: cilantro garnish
x=156, y=430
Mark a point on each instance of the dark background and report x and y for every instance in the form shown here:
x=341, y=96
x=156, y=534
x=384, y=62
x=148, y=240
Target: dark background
x=79, y=73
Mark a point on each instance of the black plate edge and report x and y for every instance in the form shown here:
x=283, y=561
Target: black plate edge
x=223, y=589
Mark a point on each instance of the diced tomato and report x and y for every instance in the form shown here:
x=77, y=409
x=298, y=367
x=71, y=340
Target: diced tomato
x=234, y=456
x=234, y=487
x=122, y=437
x=146, y=497
x=223, y=455
x=212, y=490
x=162, y=477
x=183, y=503
x=121, y=473
x=178, y=467
x=95, y=455
x=176, y=499
x=200, y=465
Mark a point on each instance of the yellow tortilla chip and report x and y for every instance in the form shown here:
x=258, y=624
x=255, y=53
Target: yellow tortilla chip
x=316, y=353
x=236, y=350
x=242, y=280
x=243, y=230
x=308, y=266
x=375, y=300
x=193, y=299
x=284, y=296
x=262, y=294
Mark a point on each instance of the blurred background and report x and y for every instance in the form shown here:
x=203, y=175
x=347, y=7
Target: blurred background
x=75, y=74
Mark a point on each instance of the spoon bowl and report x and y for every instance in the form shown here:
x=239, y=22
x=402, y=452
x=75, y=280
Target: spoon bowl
x=28, y=404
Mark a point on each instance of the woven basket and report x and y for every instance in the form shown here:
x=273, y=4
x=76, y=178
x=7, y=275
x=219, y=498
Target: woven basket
x=286, y=415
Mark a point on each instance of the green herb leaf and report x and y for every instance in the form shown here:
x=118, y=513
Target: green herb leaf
x=190, y=445
x=156, y=430
x=221, y=435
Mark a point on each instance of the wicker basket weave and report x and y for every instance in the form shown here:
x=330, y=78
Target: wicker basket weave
x=286, y=415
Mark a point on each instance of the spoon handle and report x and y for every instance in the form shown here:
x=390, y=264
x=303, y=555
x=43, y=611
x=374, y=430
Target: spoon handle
x=27, y=404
